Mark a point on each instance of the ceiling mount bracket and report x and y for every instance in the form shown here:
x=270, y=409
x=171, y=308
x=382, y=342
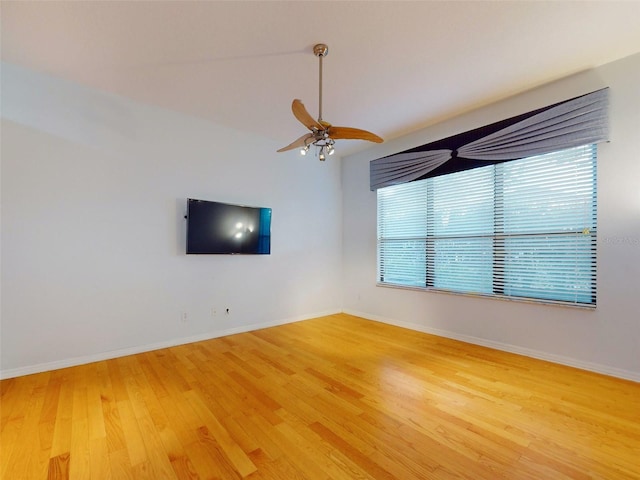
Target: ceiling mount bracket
x=320, y=50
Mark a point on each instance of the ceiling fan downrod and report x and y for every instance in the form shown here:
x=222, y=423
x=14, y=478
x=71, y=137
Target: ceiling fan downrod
x=320, y=50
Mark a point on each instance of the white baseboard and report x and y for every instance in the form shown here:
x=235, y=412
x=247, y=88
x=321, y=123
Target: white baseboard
x=562, y=360
x=559, y=359
x=98, y=357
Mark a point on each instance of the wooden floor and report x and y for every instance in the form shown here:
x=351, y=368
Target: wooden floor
x=332, y=398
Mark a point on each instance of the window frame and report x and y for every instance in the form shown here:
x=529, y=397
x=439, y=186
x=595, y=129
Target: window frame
x=498, y=249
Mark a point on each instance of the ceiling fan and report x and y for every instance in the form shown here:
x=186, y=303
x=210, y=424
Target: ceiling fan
x=323, y=135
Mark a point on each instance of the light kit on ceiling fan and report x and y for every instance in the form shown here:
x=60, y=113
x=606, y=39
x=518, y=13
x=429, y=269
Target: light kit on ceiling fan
x=323, y=135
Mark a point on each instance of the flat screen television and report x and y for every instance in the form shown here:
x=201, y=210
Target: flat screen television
x=222, y=228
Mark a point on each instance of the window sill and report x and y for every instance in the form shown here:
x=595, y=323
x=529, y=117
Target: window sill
x=554, y=303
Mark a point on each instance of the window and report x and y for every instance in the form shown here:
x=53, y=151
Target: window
x=519, y=229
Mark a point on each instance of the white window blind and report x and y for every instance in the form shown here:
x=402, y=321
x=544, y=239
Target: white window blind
x=522, y=229
x=402, y=224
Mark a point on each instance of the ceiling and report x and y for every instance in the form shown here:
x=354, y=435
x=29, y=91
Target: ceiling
x=392, y=68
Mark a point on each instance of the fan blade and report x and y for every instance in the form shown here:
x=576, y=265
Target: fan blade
x=300, y=142
x=303, y=116
x=348, y=133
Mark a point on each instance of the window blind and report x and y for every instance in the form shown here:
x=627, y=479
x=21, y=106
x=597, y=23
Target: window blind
x=460, y=231
x=402, y=232
x=522, y=229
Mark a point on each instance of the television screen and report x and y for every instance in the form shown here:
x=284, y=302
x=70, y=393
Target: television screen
x=221, y=228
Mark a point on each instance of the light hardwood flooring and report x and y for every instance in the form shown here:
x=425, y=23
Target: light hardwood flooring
x=332, y=398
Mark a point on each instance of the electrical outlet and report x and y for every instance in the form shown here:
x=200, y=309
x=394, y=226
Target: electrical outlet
x=183, y=317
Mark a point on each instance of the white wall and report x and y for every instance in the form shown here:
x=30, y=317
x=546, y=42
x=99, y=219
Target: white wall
x=605, y=340
x=94, y=190
x=93, y=194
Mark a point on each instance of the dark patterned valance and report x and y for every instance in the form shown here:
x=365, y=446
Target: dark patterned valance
x=579, y=121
